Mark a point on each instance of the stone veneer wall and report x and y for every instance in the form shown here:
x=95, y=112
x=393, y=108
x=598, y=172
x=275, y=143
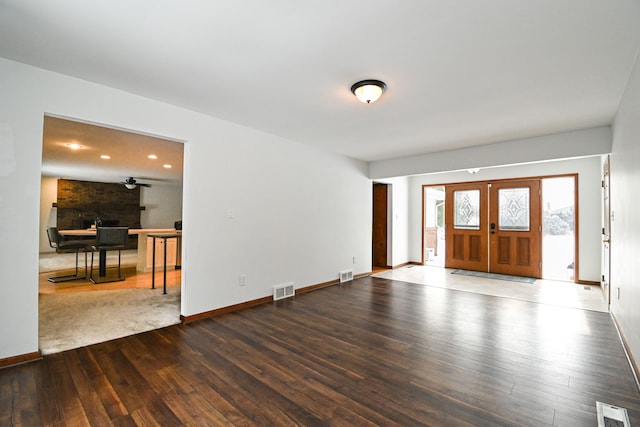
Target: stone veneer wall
x=81, y=202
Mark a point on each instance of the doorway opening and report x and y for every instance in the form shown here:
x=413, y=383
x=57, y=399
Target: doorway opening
x=556, y=201
x=558, y=228
x=433, y=236
x=72, y=313
x=380, y=228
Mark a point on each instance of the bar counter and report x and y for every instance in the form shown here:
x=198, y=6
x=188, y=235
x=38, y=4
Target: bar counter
x=142, y=234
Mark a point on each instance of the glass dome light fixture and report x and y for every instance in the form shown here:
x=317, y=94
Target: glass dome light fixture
x=368, y=91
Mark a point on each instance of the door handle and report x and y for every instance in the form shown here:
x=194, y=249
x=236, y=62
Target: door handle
x=606, y=241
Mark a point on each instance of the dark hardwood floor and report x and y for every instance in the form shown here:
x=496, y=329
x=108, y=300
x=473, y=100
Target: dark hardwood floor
x=369, y=352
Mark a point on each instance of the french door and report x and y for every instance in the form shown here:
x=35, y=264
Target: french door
x=466, y=226
x=494, y=227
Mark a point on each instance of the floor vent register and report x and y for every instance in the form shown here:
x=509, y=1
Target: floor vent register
x=285, y=290
x=612, y=416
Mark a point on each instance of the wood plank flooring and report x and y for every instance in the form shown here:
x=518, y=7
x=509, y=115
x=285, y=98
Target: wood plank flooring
x=369, y=352
x=133, y=279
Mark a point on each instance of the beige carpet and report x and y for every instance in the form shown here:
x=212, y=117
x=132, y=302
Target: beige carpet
x=77, y=319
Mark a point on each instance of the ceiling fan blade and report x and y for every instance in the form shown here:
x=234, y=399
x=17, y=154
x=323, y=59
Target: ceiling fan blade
x=131, y=183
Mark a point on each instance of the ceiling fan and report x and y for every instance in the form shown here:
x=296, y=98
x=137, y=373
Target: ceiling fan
x=131, y=183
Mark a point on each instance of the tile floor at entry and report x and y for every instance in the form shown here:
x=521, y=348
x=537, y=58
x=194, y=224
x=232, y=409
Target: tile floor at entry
x=564, y=294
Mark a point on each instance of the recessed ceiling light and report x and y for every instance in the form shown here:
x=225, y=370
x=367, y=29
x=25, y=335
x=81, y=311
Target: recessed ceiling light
x=166, y=166
x=74, y=146
x=105, y=156
x=152, y=156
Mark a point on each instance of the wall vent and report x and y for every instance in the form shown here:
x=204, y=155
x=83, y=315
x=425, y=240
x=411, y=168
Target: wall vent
x=285, y=290
x=609, y=415
x=346, y=276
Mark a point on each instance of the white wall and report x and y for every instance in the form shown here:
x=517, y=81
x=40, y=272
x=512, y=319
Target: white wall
x=589, y=208
x=625, y=205
x=578, y=143
x=254, y=204
x=163, y=205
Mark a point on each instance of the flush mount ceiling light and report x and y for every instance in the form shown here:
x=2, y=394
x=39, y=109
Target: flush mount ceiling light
x=368, y=91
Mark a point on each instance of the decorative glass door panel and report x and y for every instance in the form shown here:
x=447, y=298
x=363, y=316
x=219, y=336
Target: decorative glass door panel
x=466, y=206
x=514, y=209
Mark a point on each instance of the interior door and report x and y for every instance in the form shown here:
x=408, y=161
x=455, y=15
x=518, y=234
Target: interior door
x=515, y=242
x=379, y=228
x=466, y=226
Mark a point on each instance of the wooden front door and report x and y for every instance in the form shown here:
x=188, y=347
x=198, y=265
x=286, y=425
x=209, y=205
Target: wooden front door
x=515, y=228
x=494, y=227
x=466, y=226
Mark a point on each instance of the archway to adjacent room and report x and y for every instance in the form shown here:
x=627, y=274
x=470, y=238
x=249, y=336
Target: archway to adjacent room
x=159, y=206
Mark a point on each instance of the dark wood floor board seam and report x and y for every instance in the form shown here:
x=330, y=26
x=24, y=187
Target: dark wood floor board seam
x=386, y=419
x=286, y=386
x=72, y=409
x=291, y=384
x=492, y=401
x=91, y=400
x=132, y=388
x=47, y=402
x=233, y=376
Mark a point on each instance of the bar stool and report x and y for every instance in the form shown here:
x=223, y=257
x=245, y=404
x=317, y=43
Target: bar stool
x=108, y=239
x=57, y=241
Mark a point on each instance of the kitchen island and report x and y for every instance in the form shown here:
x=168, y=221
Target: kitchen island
x=145, y=246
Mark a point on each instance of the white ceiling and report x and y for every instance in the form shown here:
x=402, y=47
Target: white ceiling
x=459, y=72
x=129, y=154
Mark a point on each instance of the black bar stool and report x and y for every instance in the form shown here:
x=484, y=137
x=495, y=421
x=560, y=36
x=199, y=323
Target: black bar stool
x=58, y=242
x=108, y=239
